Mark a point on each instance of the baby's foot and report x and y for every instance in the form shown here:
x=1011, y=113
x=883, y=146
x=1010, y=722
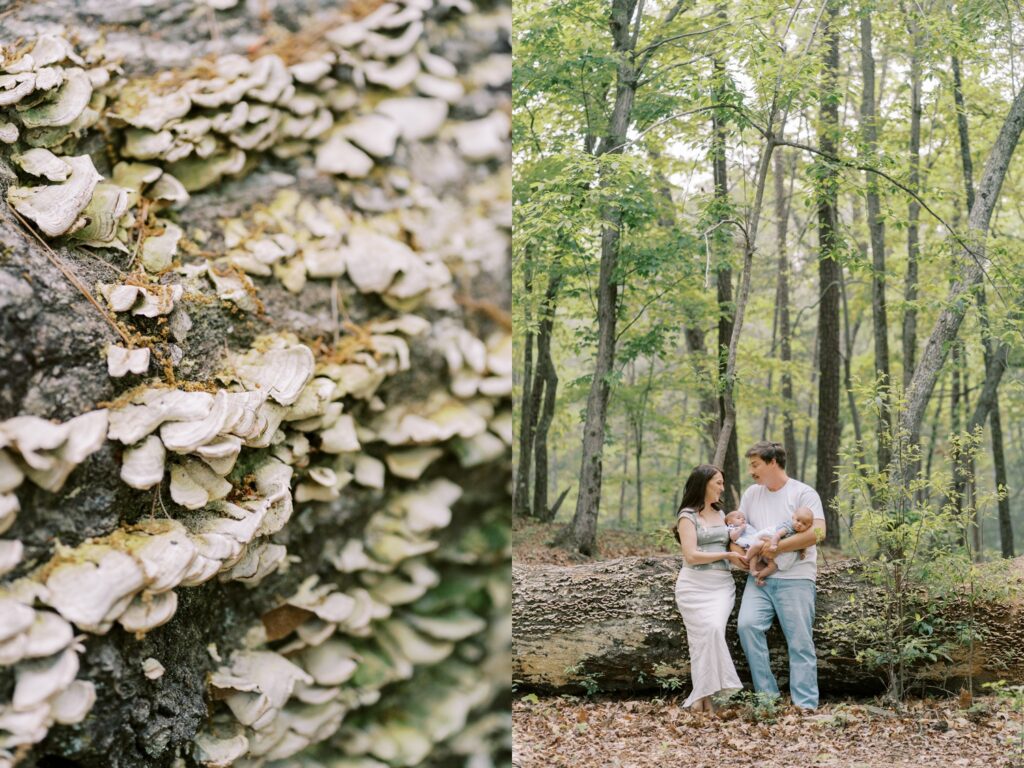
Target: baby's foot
x=760, y=582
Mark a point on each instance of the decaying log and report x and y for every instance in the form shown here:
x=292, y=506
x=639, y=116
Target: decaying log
x=614, y=625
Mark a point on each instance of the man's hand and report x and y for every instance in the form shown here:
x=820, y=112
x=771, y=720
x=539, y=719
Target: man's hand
x=803, y=540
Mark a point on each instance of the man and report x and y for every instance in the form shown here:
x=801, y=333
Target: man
x=789, y=594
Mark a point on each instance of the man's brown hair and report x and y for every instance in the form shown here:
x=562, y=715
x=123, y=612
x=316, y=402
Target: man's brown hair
x=768, y=452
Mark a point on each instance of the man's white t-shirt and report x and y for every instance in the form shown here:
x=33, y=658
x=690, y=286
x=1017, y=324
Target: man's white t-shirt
x=767, y=509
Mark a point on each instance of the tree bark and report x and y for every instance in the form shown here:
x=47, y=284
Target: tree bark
x=639, y=421
x=54, y=337
x=547, y=379
x=726, y=310
x=829, y=360
x=913, y=207
x=524, y=455
x=626, y=432
x=988, y=344
x=973, y=265
x=708, y=403
x=616, y=622
x=876, y=229
x=581, y=534
x=785, y=342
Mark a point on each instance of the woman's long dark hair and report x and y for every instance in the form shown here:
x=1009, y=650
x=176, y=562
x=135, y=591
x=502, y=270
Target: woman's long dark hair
x=695, y=491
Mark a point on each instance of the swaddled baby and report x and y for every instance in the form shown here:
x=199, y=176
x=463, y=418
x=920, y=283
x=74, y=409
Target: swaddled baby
x=752, y=542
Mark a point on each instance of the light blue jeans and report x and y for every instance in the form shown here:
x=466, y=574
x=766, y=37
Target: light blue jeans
x=792, y=600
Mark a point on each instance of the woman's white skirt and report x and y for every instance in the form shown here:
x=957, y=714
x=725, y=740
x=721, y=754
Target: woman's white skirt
x=705, y=599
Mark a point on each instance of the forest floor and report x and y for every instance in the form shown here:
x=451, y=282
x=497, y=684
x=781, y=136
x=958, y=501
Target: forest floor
x=531, y=544
x=652, y=731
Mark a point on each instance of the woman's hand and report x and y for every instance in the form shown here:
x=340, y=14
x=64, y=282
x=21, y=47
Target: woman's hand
x=736, y=560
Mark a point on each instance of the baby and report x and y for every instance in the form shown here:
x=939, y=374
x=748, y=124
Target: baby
x=750, y=542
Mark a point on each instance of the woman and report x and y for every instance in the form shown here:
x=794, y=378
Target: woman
x=705, y=590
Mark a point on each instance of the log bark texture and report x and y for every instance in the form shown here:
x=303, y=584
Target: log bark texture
x=614, y=624
x=52, y=366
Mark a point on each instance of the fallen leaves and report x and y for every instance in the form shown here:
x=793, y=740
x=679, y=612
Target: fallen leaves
x=531, y=544
x=644, y=733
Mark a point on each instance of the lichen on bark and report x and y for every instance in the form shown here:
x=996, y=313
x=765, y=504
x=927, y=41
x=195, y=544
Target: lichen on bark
x=376, y=578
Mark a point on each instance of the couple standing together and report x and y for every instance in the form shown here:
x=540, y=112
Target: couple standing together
x=706, y=591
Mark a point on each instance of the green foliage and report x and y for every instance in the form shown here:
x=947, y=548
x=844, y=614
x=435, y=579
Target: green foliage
x=916, y=552
x=586, y=680
x=757, y=706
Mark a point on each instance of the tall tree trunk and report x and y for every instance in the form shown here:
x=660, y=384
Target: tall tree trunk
x=934, y=440
x=913, y=207
x=829, y=428
x=955, y=425
x=547, y=380
x=766, y=420
x=625, y=475
x=731, y=466
x=999, y=460
x=988, y=344
x=782, y=299
x=640, y=420
x=521, y=487
x=876, y=229
x=850, y=338
x=973, y=264
x=581, y=534
x=708, y=402
x=678, y=496
x=810, y=405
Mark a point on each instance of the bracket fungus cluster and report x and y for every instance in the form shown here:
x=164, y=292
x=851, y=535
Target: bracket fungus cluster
x=309, y=424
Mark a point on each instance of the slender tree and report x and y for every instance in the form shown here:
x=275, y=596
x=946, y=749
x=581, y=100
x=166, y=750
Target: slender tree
x=524, y=454
x=545, y=381
x=994, y=365
x=782, y=301
x=876, y=230
x=829, y=359
x=910, y=288
x=625, y=22
x=731, y=463
x=973, y=264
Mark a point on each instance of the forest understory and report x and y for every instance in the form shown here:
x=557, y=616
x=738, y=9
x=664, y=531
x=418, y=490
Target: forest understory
x=644, y=731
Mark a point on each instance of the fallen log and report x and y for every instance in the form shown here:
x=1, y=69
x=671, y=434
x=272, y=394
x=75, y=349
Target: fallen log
x=614, y=626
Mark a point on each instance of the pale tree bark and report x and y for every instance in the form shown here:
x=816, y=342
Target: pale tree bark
x=993, y=366
x=616, y=623
x=829, y=427
x=972, y=270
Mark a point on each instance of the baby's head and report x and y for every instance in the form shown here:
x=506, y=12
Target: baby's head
x=803, y=519
x=735, y=518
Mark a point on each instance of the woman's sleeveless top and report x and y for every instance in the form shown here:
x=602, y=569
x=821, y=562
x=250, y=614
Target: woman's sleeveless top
x=714, y=538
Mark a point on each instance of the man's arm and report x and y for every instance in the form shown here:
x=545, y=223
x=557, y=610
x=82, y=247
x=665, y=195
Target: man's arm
x=800, y=540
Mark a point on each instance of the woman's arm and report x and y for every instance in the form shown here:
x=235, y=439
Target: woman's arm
x=688, y=541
